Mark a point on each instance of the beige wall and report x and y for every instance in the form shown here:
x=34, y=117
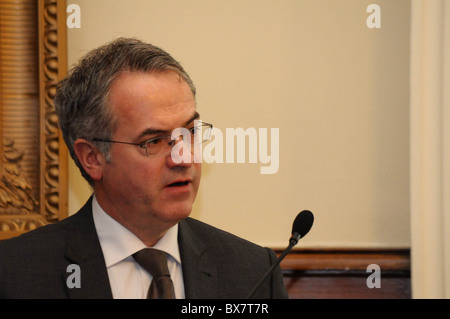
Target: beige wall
x=337, y=90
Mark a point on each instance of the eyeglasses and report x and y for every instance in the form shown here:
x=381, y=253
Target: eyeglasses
x=162, y=145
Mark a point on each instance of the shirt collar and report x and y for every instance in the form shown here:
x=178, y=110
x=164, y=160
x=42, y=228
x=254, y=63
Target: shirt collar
x=118, y=243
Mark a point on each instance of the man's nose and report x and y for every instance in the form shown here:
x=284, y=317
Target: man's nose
x=181, y=153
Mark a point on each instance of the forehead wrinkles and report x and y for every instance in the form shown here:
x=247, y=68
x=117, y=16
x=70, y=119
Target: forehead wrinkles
x=162, y=98
x=166, y=89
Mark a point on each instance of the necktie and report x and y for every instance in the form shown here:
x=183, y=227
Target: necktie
x=155, y=262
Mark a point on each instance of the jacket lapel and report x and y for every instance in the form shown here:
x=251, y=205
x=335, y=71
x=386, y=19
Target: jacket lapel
x=199, y=273
x=83, y=249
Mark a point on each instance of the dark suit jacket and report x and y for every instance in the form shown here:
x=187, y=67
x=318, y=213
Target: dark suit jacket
x=215, y=264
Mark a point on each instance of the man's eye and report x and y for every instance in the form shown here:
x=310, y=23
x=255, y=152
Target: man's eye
x=154, y=141
x=194, y=130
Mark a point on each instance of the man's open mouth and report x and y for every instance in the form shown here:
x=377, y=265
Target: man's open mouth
x=178, y=184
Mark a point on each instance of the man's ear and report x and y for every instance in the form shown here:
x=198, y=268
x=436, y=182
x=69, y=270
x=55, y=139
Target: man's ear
x=90, y=157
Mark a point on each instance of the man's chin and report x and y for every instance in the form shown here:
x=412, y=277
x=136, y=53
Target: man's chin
x=176, y=214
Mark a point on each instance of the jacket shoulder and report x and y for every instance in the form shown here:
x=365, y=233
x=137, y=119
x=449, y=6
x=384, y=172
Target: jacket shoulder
x=213, y=236
x=44, y=236
x=33, y=263
x=239, y=264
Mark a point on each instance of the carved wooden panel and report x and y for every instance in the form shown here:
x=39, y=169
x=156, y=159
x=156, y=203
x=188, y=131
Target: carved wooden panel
x=53, y=62
x=33, y=166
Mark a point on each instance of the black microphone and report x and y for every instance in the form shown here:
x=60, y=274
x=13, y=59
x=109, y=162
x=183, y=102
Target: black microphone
x=302, y=224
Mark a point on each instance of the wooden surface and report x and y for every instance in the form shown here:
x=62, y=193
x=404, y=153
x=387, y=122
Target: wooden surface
x=343, y=274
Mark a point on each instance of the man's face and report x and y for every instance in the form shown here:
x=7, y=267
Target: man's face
x=136, y=188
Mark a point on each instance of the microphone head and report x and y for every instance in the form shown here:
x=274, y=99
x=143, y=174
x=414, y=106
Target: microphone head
x=303, y=223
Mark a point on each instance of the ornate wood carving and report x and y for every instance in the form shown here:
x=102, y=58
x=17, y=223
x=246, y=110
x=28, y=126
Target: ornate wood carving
x=53, y=154
x=33, y=161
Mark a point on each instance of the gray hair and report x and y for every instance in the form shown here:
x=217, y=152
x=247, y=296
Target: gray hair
x=82, y=98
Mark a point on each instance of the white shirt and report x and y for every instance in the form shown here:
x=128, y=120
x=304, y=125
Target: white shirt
x=127, y=278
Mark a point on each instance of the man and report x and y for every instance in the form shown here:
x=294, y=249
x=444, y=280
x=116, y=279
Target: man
x=122, y=110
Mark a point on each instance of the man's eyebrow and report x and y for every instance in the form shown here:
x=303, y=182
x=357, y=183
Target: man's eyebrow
x=151, y=131
x=194, y=117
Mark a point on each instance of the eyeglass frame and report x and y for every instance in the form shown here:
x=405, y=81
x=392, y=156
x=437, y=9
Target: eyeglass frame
x=144, y=144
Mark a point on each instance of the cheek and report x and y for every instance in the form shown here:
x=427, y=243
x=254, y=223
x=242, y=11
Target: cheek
x=143, y=178
x=132, y=174
x=198, y=172
x=196, y=180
